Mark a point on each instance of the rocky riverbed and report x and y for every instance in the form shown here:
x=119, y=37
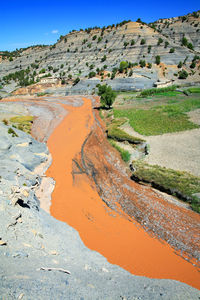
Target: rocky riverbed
x=42, y=258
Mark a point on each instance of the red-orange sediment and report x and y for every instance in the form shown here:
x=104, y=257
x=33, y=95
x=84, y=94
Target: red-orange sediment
x=76, y=202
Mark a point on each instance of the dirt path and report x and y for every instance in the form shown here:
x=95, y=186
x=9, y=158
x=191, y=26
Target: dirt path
x=76, y=202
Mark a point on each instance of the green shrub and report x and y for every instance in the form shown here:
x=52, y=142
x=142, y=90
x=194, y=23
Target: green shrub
x=142, y=63
x=142, y=42
x=103, y=58
x=180, y=64
x=11, y=131
x=157, y=61
x=92, y=74
x=171, y=50
x=42, y=71
x=132, y=42
x=76, y=81
x=160, y=41
x=166, y=44
x=149, y=48
x=150, y=92
x=190, y=46
x=193, y=65
x=183, y=74
x=123, y=66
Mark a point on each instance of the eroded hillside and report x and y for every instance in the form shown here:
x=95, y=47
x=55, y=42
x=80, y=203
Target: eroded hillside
x=167, y=50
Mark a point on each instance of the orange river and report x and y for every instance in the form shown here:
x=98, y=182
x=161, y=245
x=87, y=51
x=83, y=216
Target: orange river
x=122, y=242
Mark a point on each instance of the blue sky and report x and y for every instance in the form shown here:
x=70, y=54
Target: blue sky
x=30, y=22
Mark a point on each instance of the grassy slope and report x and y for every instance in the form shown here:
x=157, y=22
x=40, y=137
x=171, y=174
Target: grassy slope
x=181, y=184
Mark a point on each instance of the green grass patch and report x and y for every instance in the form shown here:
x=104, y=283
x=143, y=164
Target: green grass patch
x=116, y=133
x=178, y=183
x=161, y=119
x=23, y=123
x=154, y=91
x=194, y=90
x=101, y=114
x=1, y=87
x=125, y=155
x=152, y=122
x=41, y=94
x=169, y=94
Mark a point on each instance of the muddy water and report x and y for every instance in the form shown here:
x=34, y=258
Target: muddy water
x=77, y=203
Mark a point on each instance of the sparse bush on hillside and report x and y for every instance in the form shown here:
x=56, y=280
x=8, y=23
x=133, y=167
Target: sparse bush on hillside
x=114, y=72
x=160, y=41
x=125, y=44
x=149, y=48
x=132, y=42
x=190, y=46
x=180, y=64
x=183, y=74
x=42, y=71
x=166, y=44
x=195, y=14
x=149, y=66
x=142, y=42
x=193, y=65
x=171, y=50
x=76, y=81
x=157, y=60
x=142, y=63
x=99, y=39
x=92, y=74
x=103, y=58
x=184, y=41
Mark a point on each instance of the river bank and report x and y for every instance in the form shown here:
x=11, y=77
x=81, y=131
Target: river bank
x=33, y=242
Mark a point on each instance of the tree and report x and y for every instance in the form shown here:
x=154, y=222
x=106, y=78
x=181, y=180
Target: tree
x=76, y=81
x=184, y=41
x=132, y=42
x=103, y=58
x=183, y=74
x=92, y=74
x=142, y=42
x=171, y=50
x=142, y=63
x=180, y=64
x=190, y=46
x=123, y=65
x=160, y=41
x=107, y=95
x=193, y=65
x=157, y=59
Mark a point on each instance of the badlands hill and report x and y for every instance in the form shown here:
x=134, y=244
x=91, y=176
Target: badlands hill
x=167, y=51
